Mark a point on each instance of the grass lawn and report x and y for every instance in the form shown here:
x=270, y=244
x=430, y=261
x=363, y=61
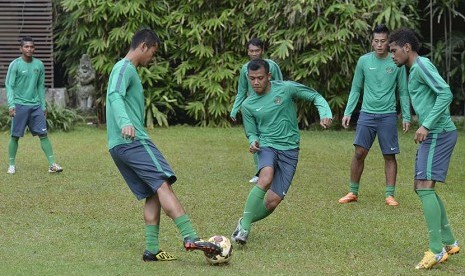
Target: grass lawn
x=85, y=221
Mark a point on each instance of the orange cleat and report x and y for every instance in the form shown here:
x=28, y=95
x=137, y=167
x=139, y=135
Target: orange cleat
x=453, y=248
x=391, y=201
x=350, y=197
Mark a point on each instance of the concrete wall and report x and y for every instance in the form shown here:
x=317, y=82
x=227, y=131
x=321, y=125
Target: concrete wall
x=54, y=96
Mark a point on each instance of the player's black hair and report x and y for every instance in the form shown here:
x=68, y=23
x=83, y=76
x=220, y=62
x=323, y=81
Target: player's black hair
x=256, y=64
x=403, y=36
x=146, y=36
x=381, y=29
x=256, y=42
x=26, y=39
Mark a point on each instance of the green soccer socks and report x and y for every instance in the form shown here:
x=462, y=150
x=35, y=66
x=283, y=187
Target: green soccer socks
x=432, y=213
x=185, y=227
x=151, y=238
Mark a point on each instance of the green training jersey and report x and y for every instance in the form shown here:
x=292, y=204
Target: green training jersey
x=124, y=103
x=244, y=89
x=25, y=83
x=379, y=78
x=271, y=119
x=431, y=96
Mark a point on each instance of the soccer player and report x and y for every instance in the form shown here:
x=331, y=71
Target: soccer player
x=437, y=136
x=255, y=49
x=270, y=123
x=25, y=90
x=141, y=164
x=378, y=77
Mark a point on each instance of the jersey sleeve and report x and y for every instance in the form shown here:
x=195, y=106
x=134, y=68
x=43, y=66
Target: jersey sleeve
x=303, y=92
x=250, y=126
x=403, y=94
x=119, y=82
x=429, y=74
x=275, y=71
x=41, y=86
x=242, y=87
x=10, y=85
x=355, y=90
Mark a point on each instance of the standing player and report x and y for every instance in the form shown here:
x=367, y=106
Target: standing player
x=437, y=136
x=270, y=123
x=379, y=78
x=141, y=164
x=255, y=49
x=25, y=89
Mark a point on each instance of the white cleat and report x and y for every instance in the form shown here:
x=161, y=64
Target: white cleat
x=11, y=169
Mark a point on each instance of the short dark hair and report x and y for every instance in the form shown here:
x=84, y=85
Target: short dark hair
x=381, y=29
x=146, y=36
x=403, y=36
x=256, y=42
x=256, y=64
x=26, y=39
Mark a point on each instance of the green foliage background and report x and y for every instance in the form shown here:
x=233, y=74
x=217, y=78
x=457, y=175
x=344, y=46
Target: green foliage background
x=194, y=77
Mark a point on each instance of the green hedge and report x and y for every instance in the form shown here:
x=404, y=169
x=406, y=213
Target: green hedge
x=315, y=42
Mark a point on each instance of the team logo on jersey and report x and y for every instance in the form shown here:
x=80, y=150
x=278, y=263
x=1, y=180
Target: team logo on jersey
x=278, y=100
x=36, y=71
x=389, y=70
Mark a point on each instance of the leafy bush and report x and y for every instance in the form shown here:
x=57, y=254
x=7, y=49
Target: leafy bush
x=59, y=118
x=5, y=119
x=315, y=42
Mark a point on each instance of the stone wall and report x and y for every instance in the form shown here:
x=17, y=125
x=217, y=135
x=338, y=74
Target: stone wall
x=54, y=96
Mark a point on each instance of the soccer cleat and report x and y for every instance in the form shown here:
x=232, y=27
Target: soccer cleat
x=430, y=259
x=160, y=256
x=241, y=237
x=254, y=179
x=391, y=201
x=11, y=169
x=453, y=248
x=205, y=246
x=236, y=231
x=55, y=168
x=350, y=197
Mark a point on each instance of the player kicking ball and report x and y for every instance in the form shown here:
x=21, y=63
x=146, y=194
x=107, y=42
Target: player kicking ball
x=141, y=164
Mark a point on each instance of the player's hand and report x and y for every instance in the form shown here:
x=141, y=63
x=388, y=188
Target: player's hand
x=345, y=121
x=233, y=119
x=128, y=132
x=254, y=147
x=12, y=112
x=405, y=126
x=420, y=134
x=326, y=122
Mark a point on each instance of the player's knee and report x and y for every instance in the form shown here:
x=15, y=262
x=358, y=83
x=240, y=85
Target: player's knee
x=389, y=157
x=42, y=136
x=272, y=200
x=360, y=155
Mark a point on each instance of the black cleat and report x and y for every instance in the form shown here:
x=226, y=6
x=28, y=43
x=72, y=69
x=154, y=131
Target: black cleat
x=160, y=256
x=205, y=246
